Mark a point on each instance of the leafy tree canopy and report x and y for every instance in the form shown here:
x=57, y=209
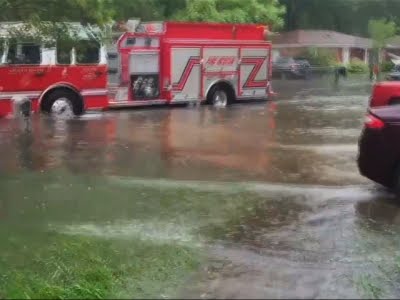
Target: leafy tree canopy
x=233, y=11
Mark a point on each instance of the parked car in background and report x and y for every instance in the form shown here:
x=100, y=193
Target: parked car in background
x=379, y=147
x=289, y=67
x=394, y=73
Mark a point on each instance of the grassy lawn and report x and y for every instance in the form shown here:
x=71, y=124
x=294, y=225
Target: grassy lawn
x=59, y=266
x=65, y=236
x=378, y=246
x=49, y=250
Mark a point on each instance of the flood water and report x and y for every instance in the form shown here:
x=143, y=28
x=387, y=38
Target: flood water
x=268, y=192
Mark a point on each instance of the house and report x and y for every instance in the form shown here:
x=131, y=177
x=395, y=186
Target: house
x=346, y=47
x=392, y=49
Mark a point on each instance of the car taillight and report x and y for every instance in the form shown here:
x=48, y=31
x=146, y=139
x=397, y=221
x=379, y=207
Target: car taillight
x=373, y=122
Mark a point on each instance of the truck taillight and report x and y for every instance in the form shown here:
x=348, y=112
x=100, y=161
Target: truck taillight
x=373, y=122
x=270, y=91
x=167, y=85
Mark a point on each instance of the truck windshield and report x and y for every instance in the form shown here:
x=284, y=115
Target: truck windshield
x=64, y=52
x=87, y=52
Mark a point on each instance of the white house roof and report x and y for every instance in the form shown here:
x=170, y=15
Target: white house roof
x=320, y=38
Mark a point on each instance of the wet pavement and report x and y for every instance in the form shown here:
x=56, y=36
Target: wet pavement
x=269, y=192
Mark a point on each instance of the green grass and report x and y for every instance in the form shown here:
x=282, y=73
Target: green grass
x=39, y=260
x=369, y=287
x=101, y=237
x=384, y=283
x=377, y=245
x=60, y=266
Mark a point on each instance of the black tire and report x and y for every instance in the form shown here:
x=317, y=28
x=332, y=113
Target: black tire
x=72, y=97
x=396, y=182
x=307, y=74
x=218, y=97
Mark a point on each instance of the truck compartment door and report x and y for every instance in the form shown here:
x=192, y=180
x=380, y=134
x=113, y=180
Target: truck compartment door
x=220, y=64
x=185, y=74
x=144, y=70
x=254, y=70
x=114, y=69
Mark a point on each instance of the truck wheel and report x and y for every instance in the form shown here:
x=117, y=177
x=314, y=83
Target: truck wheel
x=63, y=103
x=218, y=97
x=396, y=182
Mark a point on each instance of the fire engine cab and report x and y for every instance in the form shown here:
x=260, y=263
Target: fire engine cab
x=51, y=74
x=172, y=62
x=152, y=63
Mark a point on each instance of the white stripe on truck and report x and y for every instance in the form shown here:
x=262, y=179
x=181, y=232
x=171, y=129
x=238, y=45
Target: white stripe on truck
x=36, y=94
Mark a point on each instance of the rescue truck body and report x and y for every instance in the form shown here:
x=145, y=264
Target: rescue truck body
x=153, y=64
x=171, y=63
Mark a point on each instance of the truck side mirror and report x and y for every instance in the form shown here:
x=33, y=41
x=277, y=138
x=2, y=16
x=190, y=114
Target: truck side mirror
x=112, y=71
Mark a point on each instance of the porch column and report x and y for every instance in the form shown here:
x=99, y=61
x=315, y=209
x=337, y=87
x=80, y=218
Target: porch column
x=346, y=55
x=366, y=56
x=275, y=54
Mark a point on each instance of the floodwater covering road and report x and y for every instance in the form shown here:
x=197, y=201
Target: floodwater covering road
x=259, y=200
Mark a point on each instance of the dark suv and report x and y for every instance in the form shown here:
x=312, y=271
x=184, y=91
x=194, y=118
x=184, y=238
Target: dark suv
x=379, y=147
x=289, y=67
x=394, y=74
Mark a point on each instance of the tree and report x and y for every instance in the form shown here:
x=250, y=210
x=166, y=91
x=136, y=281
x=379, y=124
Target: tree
x=316, y=14
x=85, y=11
x=380, y=31
x=170, y=7
x=233, y=11
x=123, y=10
x=347, y=16
x=199, y=11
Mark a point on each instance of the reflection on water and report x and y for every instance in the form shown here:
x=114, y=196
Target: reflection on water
x=273, y=142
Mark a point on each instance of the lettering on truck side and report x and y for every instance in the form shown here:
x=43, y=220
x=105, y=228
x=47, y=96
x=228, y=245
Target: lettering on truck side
x=221, y=60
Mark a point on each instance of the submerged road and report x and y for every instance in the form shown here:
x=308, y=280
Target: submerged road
x=269, y=193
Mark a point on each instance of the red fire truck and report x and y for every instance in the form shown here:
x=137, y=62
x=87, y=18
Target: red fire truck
x=151, y=64
x=171, y=62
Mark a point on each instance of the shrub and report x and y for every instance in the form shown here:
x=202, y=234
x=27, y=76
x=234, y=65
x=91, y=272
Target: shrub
x=321, y=57
x=387, y=66
x=357, y=66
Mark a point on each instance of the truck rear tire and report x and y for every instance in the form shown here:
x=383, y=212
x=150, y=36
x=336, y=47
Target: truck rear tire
x=63, y=102
x=218, y=97
x=396, y=182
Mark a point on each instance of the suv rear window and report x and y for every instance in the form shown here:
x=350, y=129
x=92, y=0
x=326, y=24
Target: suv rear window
x=1, y=49
x=283, y=60
x=300, y=58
